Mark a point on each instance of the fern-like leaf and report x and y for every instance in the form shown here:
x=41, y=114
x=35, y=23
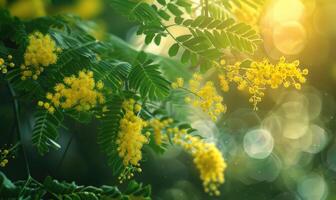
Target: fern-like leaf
x=108, y=133
x=30, y=87
x=209, y=32
x=135, y=10
x=113, y=73
x=147, y=79
x=254, y=4
x=221, y=9
x=45, y=131
x=24, y=189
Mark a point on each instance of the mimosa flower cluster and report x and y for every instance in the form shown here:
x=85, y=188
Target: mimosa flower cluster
x=159, y=126
x=206, y=97
x=80, y=92
x=203, y=96
x=40, y=53
x=262, y=75
x=130, y=138
x=207, y=159
x=5, y=64
x=178, y=83
x=223, y=82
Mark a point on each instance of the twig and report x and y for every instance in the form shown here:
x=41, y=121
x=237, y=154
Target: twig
x=25, y=185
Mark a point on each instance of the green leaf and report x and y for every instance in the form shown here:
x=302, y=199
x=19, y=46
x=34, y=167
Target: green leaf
x=184, y=3
x=162, y=2
x=205, y=65
x=132, y=187
x=174, y=10
x=32, y=189
x=187, y=22
x=6, y=185
x=135, y=10
x=82, y=117
x=112, y=73
x=108, y=132
x=45, y=131
x=146, y=78
x=173, y=50
x=178, y=20
x=185, y=56
x=70, y=190
x=142, y=57
x=164, y=15
x=197, y=21
x=149, y=38
x=183, y=38
x=222, y=34
x=157, y=39
x=56, y=187
x=32, y=88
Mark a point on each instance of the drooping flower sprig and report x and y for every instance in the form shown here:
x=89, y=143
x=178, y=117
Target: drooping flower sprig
x=204, y=96
x=81, y=93
x=40, y=53
x=259, y=76
x=131, y=139
x=207, y=158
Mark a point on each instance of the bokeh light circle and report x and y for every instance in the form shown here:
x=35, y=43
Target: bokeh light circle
x=312, y=187
x=272, y=123
x=258, y=143
x=294, y=129
x=265, y=170
x=290, y=37
x=206, y=129
x=314, y=106
x=319, y=139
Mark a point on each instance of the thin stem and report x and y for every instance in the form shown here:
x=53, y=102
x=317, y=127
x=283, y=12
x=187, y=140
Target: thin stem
x=20, y=132
x=186, y=89
x=174, y=38
x=206, y=8
x=36, y=182
x=145, y=110
x=25, y=185
x=65, y=152
x=14, y=147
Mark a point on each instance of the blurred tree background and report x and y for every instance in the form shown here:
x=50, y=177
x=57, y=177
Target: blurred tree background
x=286, y=150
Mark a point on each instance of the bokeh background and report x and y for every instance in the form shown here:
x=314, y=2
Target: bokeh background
x=284, y=151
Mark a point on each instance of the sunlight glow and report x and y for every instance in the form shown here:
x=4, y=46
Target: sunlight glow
x=290, y=37
x=283, y=24
x=287, y=10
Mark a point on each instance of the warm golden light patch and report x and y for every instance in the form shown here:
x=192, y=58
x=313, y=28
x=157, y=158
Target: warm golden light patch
x=283, y=24
x=287, y=10
x=290, y=37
